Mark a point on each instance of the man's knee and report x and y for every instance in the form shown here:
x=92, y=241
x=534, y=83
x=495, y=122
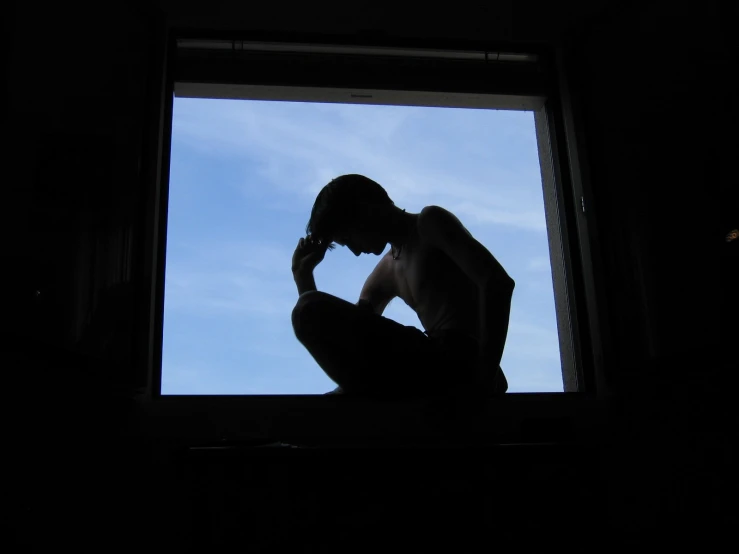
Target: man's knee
x=309, y=312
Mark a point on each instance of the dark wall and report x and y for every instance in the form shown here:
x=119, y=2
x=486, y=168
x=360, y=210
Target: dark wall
x=80, y=105
x=77, y=117
x=658, y=107
x=658, y=110
x=654, y=98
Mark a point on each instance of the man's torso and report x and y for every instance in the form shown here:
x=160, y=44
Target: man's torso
x=431, y=284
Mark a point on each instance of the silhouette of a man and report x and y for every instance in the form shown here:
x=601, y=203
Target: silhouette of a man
x=459, y=291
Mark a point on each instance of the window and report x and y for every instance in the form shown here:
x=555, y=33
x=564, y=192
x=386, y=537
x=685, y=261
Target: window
x=350, y=79
x=243, y=178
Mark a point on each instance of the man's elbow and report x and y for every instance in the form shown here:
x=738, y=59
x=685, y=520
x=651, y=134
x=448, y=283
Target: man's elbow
x=507, y=285
x=510, y=283
x=501, y=284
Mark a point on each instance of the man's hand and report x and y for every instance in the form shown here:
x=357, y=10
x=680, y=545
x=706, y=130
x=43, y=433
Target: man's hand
x=308, y=254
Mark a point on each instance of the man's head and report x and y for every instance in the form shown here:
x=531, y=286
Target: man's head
x=349, y=210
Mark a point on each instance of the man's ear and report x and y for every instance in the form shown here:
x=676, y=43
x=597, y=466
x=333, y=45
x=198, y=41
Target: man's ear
x=375, y=211
x=365, y=216
x=369, y=210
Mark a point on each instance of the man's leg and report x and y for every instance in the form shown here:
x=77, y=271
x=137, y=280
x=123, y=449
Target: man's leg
x=359, y=350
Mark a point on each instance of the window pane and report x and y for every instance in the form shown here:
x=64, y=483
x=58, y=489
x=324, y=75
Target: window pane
x=244, y=175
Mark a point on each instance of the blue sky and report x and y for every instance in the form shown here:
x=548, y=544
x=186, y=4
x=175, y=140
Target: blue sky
x=244, y=175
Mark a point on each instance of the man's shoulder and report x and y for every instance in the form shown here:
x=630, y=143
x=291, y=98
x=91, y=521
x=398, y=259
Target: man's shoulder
x=433, y=210
x=434, y=220
x=431, y=217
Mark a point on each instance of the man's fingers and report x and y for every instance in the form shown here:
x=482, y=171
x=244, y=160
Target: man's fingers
x=311, y=246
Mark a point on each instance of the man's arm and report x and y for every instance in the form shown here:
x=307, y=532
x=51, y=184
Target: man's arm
x=379, y=288
x=495, y=308
x=308, y=254
x=304, y=281
x=442, y=229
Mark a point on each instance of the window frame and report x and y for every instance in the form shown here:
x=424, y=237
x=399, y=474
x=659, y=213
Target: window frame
x=571, y=230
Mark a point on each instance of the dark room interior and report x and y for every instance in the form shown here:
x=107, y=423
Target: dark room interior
x=641, y=107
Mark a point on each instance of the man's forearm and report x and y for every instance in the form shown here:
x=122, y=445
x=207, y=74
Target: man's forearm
x=495, y=307
x=304, y=281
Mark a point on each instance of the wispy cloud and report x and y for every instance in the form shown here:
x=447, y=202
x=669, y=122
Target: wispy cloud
x=539, y=263
x=299, y=148
x=180, y=379
x=263, y=255
x=531, y=342
x=530, y=220
x=227, y=292
x=249, y=276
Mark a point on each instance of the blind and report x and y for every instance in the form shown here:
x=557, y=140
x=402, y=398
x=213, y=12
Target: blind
x=366, y=74
x=377, y=51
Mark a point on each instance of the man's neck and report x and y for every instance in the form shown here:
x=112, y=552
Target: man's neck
x=402, y=225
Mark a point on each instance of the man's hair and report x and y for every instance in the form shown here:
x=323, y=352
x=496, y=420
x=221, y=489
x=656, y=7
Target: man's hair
x=339, y=205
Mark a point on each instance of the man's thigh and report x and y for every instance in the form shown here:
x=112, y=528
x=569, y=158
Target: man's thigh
x=327, y=316
x=367, y=350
